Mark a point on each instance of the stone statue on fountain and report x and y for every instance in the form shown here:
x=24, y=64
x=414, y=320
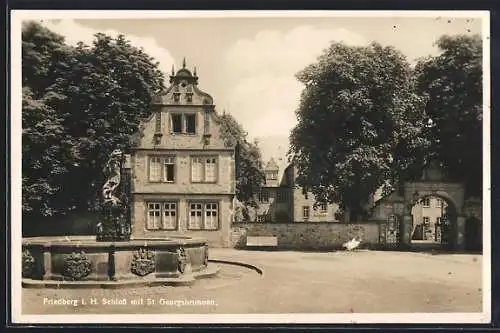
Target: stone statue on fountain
x=115, y=214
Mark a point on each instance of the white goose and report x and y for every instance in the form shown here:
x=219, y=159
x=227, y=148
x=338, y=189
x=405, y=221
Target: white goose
x=352, y=244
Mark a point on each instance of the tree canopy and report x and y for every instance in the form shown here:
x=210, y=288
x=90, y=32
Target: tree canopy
x=359, y=124
x=367, y=119
x=452, y=85
x=79, y=103
x=250, y=174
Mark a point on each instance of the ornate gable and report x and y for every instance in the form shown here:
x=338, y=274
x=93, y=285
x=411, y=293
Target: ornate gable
x=183, y=117
x=184, y=89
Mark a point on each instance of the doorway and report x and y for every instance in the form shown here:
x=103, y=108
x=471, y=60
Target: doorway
x=432, y=225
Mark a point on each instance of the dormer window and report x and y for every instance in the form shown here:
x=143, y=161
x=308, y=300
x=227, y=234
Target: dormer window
x=189, y=97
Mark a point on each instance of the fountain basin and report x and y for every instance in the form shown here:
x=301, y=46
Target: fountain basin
x=82, y=261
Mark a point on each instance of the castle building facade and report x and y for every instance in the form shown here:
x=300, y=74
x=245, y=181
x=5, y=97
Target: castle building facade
x=282, y=200
x=182, y=171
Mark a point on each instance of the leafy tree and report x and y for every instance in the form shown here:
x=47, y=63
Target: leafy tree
x=250, y=174
x=108, y=91
x=46, y=154
x=359, y=125
x=47, y=150
x=79, y=103
x=452, y=85
x=45, y=58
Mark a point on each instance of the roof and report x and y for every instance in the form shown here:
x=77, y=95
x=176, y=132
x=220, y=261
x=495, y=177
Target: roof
x=272, y=165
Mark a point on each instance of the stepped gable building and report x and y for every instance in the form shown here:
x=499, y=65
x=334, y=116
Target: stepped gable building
x=182, y=171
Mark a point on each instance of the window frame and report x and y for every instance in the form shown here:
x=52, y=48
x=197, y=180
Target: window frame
x=308, y=215
x=150, y=165
x=172, y=115
x=185, y=118
x=424, y=218
x=163, y=176
x=203, y=177
x=426, y=202
x=169, y=160
x=162, y=210
x=204, y=210
x=183, y=122
x=325, y=206
x=261, y=196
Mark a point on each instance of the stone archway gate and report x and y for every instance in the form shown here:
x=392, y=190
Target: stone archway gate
x=453, y=193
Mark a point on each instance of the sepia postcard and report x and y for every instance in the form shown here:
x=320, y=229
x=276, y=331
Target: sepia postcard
x=250, y=167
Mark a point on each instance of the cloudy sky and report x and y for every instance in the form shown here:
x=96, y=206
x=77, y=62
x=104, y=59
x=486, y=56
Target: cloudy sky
x=248, y=64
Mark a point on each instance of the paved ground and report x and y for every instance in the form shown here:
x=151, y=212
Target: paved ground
x=298, y=282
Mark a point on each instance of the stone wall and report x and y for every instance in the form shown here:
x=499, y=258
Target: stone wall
x=307, y=236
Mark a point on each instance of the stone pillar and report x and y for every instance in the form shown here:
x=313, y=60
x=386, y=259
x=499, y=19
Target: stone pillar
x=460, y=233
x=47, y=264
x=405, y=235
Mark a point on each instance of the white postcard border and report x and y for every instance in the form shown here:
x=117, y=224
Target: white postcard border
x=17, y=16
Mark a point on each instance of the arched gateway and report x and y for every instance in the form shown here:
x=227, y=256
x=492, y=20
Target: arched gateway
x=394, y=212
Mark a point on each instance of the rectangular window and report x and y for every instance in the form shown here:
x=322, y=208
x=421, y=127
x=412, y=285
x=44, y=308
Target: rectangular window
x=203, y=169
x=305, y=212
x=210, y=170
x=323, y=207
x=155, y=169
x=162, y=169
x=195, y=216
x=261, y=218
x=197, y=169
x=426, y=202
x=263, y=196
x=439, y=203
x=190, y=123
x=176, y=123
x=426, y=220
x=154, y=215
x=203, y=216
x=169, y=169
x=162, y=216
x=272, y=175
x=211, y=216
x=169, y=215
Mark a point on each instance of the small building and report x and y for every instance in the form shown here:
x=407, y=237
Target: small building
x=274, y=198
x=182, y=171
x=284, y=201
